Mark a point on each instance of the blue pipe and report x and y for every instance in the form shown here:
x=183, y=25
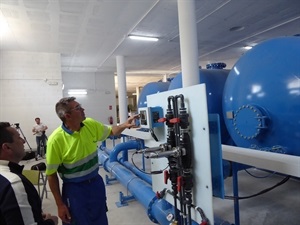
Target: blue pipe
x=125, y=146
x=106, y=150
x=140, y=174
x=157, y=209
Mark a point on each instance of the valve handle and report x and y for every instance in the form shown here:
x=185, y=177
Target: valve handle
x=162, y=120
x=175, y=120
x=166, y=176
x=158, y=196
x=179, y=183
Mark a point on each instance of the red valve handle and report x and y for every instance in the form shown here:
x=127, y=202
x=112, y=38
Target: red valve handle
x=162, y=120
x=179, y=183
x=166, y=176
x=175, y=120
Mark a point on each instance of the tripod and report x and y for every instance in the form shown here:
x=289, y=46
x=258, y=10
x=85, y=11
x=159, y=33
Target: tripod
x=29, y=155
x=21, y=132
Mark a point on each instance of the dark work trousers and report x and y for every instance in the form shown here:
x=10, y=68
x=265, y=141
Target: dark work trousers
x=39, y=140
x=86, y=201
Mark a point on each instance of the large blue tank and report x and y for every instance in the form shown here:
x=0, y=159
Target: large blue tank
x=149, y=89
x=261, y=101
x=214, y=80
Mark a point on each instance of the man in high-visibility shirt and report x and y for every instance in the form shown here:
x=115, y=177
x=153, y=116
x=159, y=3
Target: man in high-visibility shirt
x=72, y=153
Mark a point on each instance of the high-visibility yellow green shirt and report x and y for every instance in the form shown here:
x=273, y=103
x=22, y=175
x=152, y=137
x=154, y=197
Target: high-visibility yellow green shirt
x=74, y=155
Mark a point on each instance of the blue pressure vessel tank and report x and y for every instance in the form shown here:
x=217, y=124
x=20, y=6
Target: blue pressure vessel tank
x=214, y=79
x=149, y=89
x=261, y=101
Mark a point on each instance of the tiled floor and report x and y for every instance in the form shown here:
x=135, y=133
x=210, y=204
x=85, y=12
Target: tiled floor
x=277, y=207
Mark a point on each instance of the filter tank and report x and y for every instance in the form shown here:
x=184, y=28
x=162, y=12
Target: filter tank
x=261, y=101
x=151, y=88
x=214, y=80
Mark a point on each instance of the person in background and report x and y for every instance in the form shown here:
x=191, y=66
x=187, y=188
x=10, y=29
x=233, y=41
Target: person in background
x=20, y=202
x=72, y=153
x=39, y=130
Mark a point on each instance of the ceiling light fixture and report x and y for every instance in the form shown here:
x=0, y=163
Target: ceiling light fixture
x=247, y=47
x=142, y=38
x=77, y=92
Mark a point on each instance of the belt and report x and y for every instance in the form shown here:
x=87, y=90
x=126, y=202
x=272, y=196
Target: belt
x=90, y=180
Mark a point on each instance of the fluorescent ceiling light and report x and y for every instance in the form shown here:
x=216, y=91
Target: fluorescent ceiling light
x=77, y=92
x=143, y=38
x=247, y=47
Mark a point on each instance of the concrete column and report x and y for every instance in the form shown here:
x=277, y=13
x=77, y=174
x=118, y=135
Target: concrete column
x=122, y=89
x=188, y=42
x=137, y=91
x=165, y=78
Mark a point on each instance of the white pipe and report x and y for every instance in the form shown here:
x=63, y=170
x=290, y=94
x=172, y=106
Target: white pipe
x=188, y=42
x=122, y=89
x=286, y=164
x=137, y=91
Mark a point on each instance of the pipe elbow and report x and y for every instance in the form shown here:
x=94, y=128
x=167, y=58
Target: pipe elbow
x=113, y=157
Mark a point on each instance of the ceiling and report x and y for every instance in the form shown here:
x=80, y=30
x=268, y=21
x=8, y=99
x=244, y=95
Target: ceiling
x=89, y=34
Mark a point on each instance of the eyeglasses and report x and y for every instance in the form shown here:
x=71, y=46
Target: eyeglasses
x=77, y=108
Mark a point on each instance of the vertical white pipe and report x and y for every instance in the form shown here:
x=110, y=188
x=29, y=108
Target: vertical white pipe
x=165, y=78
x=122, y=89
x=188, y=42
x=137, y=91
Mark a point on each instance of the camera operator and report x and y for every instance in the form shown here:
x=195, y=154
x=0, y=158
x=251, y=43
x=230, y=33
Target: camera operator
x=39, y=129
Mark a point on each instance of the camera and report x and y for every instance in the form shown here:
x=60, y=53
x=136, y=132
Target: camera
x=17, y=125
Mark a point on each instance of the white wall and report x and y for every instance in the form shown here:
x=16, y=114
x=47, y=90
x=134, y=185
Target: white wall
x=24, y=93
x=101, y=93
